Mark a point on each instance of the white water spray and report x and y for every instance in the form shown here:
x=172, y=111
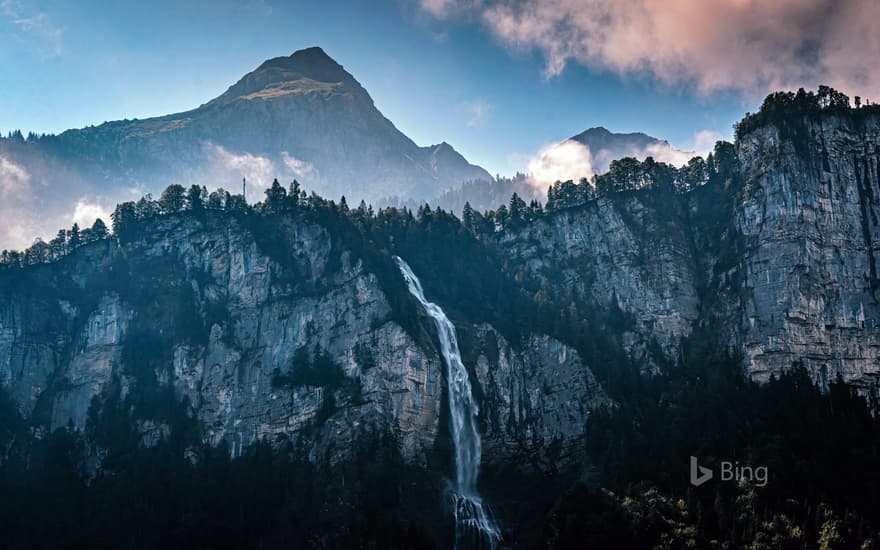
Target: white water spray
x=474, y=526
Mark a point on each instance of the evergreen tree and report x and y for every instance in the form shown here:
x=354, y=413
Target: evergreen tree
x=59, y=244
x=99, y=230
x=276, y=197
x=73, y=238
x=517, y=209
x=124, y=219
x=195, y=198
x=467, y=217
x=173, y=199
x=294, y=193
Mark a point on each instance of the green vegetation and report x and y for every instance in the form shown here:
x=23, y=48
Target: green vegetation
x=789, y=109
x=317, y=369
x=178, y=493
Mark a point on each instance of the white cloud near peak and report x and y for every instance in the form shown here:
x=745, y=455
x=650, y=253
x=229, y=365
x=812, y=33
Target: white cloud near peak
x=85, y=213
x=15, y=180
x=568, y=160
x=300, y=169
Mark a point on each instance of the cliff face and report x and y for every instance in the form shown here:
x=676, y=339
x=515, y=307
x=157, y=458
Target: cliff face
x=808, y=278
x=778, y=264
x=631, y=251
x=208, y=309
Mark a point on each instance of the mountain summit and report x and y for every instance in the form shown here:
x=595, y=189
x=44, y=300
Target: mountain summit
x=306, y=71
x=607, y=146
x=302, y=116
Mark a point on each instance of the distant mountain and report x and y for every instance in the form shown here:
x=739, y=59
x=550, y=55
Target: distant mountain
x=302, y=116
x=606, y=146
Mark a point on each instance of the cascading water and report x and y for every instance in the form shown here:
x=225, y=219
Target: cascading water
x=474, y=526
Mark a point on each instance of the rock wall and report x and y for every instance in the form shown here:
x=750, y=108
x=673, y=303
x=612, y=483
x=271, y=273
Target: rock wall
x=792, y=280
x=808, y=278
x=206, y=310
x=632, y=251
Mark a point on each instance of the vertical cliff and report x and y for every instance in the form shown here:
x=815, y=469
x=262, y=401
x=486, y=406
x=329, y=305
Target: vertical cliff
x=774, y=259
x=807, y=280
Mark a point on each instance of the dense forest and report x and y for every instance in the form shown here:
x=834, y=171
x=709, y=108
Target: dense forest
x=822, y=448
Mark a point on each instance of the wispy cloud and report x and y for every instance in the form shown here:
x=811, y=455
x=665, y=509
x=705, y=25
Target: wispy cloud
x=479, y=111
x=439, y=8
x=744, y=45
x=299, y=168
x=15, y=180
x=258, y=170
x=46, y=36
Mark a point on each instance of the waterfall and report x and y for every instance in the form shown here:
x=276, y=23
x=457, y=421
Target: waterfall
x=474, y=526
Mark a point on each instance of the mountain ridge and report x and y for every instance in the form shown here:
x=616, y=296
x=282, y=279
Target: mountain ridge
x=300, y=117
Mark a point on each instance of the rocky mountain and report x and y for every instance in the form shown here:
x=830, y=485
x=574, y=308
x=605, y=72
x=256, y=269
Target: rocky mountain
x=302, y=116
x=594, y=332
x=606, y=146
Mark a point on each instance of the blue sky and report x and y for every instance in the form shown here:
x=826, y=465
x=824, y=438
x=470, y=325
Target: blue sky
x=66, y=64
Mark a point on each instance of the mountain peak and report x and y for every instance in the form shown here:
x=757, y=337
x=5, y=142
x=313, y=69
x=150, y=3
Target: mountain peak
x=312, y=62
x=305, y=71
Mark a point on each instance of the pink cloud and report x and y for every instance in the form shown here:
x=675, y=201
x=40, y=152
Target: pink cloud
x=744, y=45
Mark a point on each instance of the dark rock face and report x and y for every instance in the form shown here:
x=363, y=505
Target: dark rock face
x=629, y=252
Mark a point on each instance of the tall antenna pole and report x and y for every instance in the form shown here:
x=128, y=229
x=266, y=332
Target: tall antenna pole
x=244, y=187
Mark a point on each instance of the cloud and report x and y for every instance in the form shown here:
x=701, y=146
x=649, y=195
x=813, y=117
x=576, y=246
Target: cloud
x=17, y=236
x=36, y=24
x=572, y=160
x=664, y=152
x=478, y=113
x=301, y=169
x=568, y=160
x=704, y=141
x=20, y=223
x=439, y=8
x=15, y=180
x=749, y=46
x=258, y=170
x=85, y=213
